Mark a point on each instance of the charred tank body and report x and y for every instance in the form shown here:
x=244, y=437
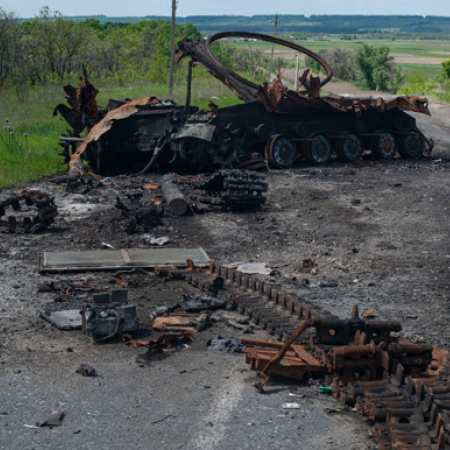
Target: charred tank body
x=275, y=126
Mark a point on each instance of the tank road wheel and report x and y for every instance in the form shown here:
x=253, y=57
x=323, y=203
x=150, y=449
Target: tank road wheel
x=383, y=146
x=411, y=146
x=349, y=150
x=224, y=148
x=317, y=151
x=282, y=151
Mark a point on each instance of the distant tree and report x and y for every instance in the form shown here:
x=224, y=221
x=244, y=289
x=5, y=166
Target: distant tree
x=53, y=44
x=377, y=69
x=342, y=61
x=9, y=46
x=445, y=74
x=417, y=84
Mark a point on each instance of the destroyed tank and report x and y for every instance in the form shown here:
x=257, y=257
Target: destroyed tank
x=275, y=126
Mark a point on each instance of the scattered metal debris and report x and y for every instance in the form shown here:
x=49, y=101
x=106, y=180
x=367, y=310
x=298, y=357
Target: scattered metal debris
x=28, y=212
x=109, y=315
x=191, y=322
x=52, y=420
x=67, y=319
x=157, y=345
x=138, y=212
x=86, y=370
x=153, y=240
x=251, y=268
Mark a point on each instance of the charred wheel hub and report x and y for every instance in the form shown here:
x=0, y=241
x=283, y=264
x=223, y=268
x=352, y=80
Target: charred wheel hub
x=349, y=149
x=317, y=149
x=411, y=146
x=282, y=151
x=383, y=145
x=224, y=148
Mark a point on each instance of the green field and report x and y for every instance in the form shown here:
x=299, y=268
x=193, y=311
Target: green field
x=434, y=48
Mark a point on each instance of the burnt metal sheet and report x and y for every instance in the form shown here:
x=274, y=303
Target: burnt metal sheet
x=200, y=131
x=55, y=262
x=69, y=319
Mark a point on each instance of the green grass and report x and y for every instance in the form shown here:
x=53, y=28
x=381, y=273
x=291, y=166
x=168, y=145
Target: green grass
x=429, y=70
x=30, y=151
x=34, y=156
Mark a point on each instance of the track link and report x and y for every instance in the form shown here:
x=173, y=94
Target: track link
x=228, y=189
x=28, y=212
x=408, y=398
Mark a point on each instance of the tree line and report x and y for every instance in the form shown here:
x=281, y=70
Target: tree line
x=53, y=49
x=370, y=67
x=50, y=48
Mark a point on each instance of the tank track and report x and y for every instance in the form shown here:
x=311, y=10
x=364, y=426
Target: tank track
x=229, y=189
x=409, y=404
x=28, y=212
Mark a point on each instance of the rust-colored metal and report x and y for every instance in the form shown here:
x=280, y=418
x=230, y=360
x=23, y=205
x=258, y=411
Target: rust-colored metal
x=157, y=345
x=265, y=374
x=410, y=403
x=175, y=323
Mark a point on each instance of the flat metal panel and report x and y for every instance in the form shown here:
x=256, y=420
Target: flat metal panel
x=172, y=256
x=53, y=262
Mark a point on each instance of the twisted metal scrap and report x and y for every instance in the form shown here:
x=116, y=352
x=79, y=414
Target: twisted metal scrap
x=200, y=52
x=276, y=97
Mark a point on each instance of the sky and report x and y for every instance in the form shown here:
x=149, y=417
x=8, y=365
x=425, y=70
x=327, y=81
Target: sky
x=31, y=8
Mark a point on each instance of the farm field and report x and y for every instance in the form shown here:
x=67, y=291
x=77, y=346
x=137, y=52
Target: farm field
x=412, y=55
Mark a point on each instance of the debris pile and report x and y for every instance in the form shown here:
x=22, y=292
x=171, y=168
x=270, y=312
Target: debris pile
x=27, y=212
x=140, y=214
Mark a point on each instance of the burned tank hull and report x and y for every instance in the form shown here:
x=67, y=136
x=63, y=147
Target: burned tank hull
x=275, y=125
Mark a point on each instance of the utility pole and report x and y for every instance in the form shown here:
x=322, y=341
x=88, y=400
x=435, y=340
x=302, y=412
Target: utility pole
x=273, y=46
x=172, y=47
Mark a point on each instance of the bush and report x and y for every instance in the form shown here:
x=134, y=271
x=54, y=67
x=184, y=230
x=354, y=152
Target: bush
x=417, y=84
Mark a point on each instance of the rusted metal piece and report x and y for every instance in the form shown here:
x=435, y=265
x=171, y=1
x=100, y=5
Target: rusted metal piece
x=83, y=106
x=27, y=212
x=191, y=322
x=99, y=129
x=201, y=53
x=295, y=363
x=265, y=374
x=157, y=345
